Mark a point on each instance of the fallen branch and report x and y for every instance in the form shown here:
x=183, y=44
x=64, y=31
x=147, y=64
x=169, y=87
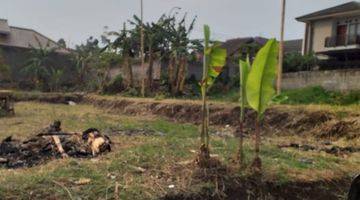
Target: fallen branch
x=64, y=188
x=59, y=146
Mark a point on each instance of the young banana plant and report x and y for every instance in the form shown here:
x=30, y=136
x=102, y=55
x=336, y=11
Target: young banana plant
x=214, y=61
x=244, y=71
x=260, y=88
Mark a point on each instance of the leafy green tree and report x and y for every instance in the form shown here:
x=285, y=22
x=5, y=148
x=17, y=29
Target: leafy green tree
x=61, y=42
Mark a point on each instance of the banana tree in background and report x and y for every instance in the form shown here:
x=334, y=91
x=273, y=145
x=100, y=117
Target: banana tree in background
x=154, y=41
x=124, y=46
x=180, y=47
x=214, y=61
x=86, y=57
x=55, y=79
x=37, y=67
x=260, y=89
x=167, y=40
x=244, y=71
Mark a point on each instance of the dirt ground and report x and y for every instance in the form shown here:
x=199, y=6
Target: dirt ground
x=308, y=152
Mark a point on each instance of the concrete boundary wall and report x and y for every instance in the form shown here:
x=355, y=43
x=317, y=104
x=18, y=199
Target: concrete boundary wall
x=335, y=80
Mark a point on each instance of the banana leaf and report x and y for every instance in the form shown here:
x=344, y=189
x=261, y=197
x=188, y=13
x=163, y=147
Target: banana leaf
x=260, y=83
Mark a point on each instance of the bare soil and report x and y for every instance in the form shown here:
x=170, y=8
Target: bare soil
x=322, y=124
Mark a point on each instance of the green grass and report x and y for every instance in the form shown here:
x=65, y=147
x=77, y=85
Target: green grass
x=304, y=96
x=160, y=155
x=318, y=95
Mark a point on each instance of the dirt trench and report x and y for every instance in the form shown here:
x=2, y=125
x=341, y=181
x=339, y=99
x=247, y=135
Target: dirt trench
x=56, y=98
x=321, y=124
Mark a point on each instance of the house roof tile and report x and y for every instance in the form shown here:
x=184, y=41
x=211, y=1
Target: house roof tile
x=347, y=7
x=28, y=38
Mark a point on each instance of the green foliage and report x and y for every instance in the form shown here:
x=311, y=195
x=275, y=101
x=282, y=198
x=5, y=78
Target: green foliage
x=55, y=79
x=294, y=62
x=5, y=72
x=244, y=72
x=115, y=86
x=259, y=87
x=93, y=65
x=37, y=67
x=318, y=95
x=215, y=60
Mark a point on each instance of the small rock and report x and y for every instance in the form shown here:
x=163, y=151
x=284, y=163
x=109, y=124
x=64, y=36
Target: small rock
x=3, y=160
x=306, y=161
x=71, y=103
x=171, y=186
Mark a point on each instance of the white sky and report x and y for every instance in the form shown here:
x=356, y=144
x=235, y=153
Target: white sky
x=76, y=20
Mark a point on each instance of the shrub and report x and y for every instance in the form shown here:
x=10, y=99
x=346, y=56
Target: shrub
x=294, y=62
x=318, y=95
x=115, y=85
x=132, y=92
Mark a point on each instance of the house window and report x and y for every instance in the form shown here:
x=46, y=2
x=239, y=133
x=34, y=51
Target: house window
x=347, y=32
x=352, y=29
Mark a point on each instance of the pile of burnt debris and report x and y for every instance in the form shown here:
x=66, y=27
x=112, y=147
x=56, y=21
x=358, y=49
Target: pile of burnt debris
x=51, y=143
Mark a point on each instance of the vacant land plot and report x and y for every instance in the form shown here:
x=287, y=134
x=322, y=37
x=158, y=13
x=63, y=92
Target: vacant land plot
x=153, y=158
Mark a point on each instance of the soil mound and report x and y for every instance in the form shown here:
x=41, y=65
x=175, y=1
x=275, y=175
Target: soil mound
x=336, y=129
x=276, y=121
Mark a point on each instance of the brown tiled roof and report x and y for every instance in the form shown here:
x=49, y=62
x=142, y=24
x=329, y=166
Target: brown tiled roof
x=4, y=27
x=347, y=7
x=28, y=38
x=234, y=45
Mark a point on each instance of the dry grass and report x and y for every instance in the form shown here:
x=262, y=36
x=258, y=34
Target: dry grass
x=164, y=156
